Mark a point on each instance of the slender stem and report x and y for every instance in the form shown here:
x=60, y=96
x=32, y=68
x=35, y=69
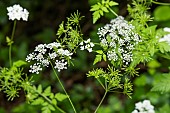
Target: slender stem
x=112, y=11
x=160, y=3
x=10, y=46
x=101, y=101
x=63, y=88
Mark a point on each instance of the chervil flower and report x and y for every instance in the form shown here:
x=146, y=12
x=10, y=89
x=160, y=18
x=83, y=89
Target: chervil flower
x=17, y=12
x=35, y=68
x=52, y=55
x=60, y=65
x=119, y=38
x=64, y=52
x=86, y=45
x=45, y=53
x=144, y=107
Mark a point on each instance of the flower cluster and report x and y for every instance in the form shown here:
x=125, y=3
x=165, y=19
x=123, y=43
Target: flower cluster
x=166, y=38
x=43, y=53
x=86, y=45
x=119, y=38
x=17, y=12
x=144, y=107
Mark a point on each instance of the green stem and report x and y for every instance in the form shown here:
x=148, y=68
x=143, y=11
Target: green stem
x=101, y=101
x=10, y=46
x=112, y=11
x=159, y=3
x=63, y=88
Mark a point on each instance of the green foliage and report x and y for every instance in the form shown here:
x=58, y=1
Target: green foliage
x=69, y=34
x=47, y=99
x=11, y=79
x=99, y=57
x=113, y=80
x=164, y=109
x=100, y=8
x=138, y=11
x=163, y=84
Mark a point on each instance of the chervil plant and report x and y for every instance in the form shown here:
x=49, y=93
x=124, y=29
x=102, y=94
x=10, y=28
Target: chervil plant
x=123, y=44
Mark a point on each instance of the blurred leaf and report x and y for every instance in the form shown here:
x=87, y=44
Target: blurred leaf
x=163, y=85
x=141, y=81
x=161, y=13
x=164, y=109
x=19, y=63
x=153, y=64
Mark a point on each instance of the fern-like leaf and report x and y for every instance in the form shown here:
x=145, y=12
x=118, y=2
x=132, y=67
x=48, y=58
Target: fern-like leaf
x=163, y=85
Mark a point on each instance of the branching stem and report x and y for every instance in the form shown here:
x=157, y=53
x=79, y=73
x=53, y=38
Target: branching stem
x=101, y=101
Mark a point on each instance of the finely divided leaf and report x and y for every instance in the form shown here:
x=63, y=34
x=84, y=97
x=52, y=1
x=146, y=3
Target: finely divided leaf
x=163, y=85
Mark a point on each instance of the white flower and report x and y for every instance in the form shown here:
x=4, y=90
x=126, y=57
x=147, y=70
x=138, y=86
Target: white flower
x=35, y=68
x=112, y=55
x=52, y=55
x=17, y=12
x=39, y=57
x=53, y=44
x=166, y=38
x=41, y=48
x=144, y=107
x=166, y=29
x=43, y=53
x=119, y=38
x=64, y=52
x=30, y=57
x=45, y=62
x=60, y=65
x=86, y=45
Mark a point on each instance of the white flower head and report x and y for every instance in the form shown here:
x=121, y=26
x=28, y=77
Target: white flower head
x=87, y=44
x=144, y=107
x=17, y=12
x=166, y=29
x=165, y=38
x=52, y=55
x=35, y=68
x=120, y=38
x=60, y=65
x=41, y=48
x=64, y=52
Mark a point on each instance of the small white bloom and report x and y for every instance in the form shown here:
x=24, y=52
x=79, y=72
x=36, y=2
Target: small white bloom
x=64, y=52
x=30, y=57
x=39, y=57
x=166, y=29
x=87, y=45
x=112, y=55
x=144, y=107
x=53, y=44
x=60, y=65
x=41, y=48
x=35, y=68
x=45, y=62
x=52, y=55
x=166, y=38
x=17, y=12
